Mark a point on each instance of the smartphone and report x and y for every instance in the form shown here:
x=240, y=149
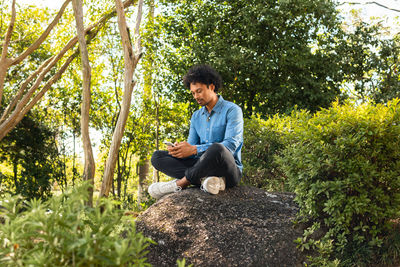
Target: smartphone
x=168, y=143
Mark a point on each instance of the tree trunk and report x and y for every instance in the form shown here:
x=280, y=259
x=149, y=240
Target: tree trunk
x=89, y=167
x=130, y=61
x=143, y=172
x=127, y=174
x=74, y=160
x=4, y=61
x=149, y=83
x=119, y=175
x=15, y=172
x=156, y=174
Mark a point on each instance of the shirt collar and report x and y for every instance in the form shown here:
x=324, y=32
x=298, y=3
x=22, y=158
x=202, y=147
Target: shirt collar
x=217, y=106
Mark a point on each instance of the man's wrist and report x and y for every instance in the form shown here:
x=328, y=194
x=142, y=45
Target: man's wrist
x=194, y=151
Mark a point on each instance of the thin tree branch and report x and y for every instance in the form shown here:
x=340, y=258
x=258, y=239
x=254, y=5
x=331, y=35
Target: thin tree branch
x=42, y=37
x=137, y=36
x=40, y=78
x=9, y=32
x=4, y=61
x=370, y=3
x=21, y=104
x=21, y=90
x=20, y=115
x=49, y=83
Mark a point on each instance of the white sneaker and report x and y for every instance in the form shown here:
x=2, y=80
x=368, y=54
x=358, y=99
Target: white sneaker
x=213, y=184
x=157, y=190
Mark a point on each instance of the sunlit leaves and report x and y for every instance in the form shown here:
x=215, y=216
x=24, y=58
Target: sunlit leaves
x=344, y=168
x=261, y=48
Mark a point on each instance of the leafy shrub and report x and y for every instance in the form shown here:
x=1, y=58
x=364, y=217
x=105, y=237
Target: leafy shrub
x=345, y=171
x=265, y=139
x=32, y=157
x=62, y=231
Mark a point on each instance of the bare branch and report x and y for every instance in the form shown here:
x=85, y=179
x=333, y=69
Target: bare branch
x=49, y=83
x=40, y=78
x=4, y=63
x=14, y=120
x=21, y=104
x=138, y=38
x=22, y=89
x=370, y=3
x=42, y=37
x=9, y=32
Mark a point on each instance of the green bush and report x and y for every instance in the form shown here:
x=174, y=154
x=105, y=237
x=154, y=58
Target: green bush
x=62, y=231
x=265, y=139
x=345, y=171
x=30, y=154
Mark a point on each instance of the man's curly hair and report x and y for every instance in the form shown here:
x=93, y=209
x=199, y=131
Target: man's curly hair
x=203, y=74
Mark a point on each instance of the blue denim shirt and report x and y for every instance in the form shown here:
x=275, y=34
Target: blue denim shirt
x=223, y=125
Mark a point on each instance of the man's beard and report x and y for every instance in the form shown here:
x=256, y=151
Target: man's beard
x=202, y=102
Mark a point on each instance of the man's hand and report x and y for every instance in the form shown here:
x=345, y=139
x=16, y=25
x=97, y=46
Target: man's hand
x=182, y=150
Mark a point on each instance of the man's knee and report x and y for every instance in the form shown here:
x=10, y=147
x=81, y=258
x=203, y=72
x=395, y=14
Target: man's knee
x=219, y=150
x=217, y=147
x=216, y=151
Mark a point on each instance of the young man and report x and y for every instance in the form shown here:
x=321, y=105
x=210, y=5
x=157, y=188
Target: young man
x=211, y=157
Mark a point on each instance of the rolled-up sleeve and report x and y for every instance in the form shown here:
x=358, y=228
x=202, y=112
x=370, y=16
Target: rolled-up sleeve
x=202, y=148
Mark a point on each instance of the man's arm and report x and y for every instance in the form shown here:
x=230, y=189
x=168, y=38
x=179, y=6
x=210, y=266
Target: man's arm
x=234, y=129
x=186, y=149
x=193, y=138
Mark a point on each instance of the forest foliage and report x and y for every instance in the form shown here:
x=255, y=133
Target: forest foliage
x=63, y=231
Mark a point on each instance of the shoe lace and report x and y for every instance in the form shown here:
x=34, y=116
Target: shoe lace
x=202, y=188
x=175, y=187
x=178, y=189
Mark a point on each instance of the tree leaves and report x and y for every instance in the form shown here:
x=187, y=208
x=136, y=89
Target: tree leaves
x=261, y=48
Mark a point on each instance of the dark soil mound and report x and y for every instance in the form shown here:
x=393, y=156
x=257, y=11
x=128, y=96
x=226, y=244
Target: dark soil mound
x=242, y=226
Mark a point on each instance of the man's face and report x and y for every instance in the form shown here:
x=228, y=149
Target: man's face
x=201, y=93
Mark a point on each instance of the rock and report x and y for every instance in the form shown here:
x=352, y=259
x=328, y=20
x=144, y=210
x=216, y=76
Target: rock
x=241, y=226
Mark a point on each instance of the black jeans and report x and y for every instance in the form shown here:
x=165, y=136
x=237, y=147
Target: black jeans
x=216, y=161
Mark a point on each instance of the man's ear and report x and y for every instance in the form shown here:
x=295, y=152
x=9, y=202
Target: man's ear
x=211, y=86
